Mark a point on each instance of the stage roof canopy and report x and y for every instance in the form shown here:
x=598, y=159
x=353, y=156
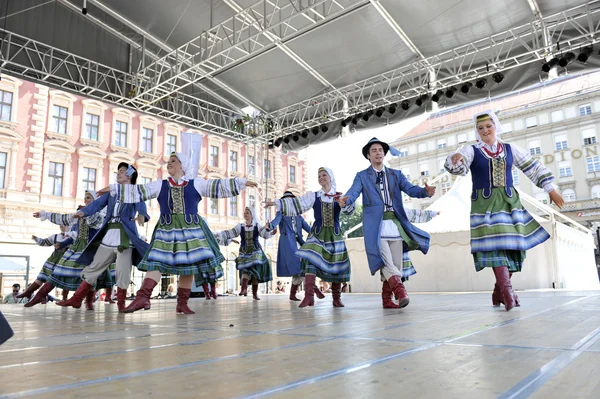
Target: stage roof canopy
x=306, y=67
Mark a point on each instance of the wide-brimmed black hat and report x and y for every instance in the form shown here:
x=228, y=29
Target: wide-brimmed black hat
x=288, y=194
x=375, y=140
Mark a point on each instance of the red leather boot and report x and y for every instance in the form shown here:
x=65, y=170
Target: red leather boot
x=206, y=291
x=293, y=290
x=89, y=299
x=309, y=291
x=244, y=290
x=517, y=303
x=213, y=289
x=318, y=292
x=78, y=296
x=336, y=293
x=142, y=297
x=29, y=291
x=41, y=295
x=386, y=297
x=503, y=281
x=121, y=295
x=399, y=290
x=255, y=289
x=108, y=295
x=183, y=294
x=497, y=296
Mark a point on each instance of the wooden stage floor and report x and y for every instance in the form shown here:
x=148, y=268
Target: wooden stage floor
x=441, y=346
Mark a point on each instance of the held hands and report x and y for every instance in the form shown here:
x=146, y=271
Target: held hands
x=57, y=246
x=341, y=201
x=235, y=241
x=36, y=214
x=456, y=158
x=34, y=238
x=140, y=219
x=103, y=191
x=430, y=190
x=556, y=198
x=251, y=183
x=269, y=203
x=78, y=215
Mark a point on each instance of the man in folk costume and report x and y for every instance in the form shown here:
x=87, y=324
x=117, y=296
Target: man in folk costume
x=290, y=240
x=117, y=241
x=387, y=231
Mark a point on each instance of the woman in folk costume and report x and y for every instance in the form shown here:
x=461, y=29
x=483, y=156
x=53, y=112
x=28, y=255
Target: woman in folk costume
x=388, y=233
x=501, y=229
x=55, y=241
x=66, y=273
x=252, y=262
x=182, y=243
x=324, y=253
x=290, y=240
x=117, y=241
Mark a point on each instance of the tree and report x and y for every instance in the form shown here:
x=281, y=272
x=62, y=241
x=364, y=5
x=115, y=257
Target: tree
x=348, y=222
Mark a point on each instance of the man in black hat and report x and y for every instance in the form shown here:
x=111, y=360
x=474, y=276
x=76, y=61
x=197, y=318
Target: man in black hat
x=387, y=231
x=290, y=239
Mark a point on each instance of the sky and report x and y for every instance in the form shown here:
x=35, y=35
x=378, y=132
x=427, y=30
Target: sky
x=344, y=155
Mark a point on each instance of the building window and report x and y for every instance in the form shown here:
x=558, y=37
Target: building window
x=531, y=121
x=424, y=169
x=596, y=192
x=569, y=195
x=121, y=134
x=564, y=169
x=461, y=138
x=422, y=147
x=267, y=169
x=55, y=174
x=446, y=187
x=585, y=110
x=542, y=197
x=89, y=179
x=171, y=144
x=92, y=124
x=406, y=173
x=233, y=161
x=441, y=143
x=403, y=152
x=3, y=156
x=557, y=116
x=292, y=174
x=535, y=147
x=560, y=142
x=251, y=201
x=214, y=206
x=515, y=176
x=233, y=206
x=214, y=156
x=593, y=164
x=441, y=163
x=5, y=105
x=147, y=137
x=251, y=165
x=507, y=127
x=59, y=119
x=589, y=136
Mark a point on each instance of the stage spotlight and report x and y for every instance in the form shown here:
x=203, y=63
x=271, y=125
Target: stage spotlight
x=405, y=105
x=295, y=137
x=278, y=142
x=379, y=112
x=286, y=139
x=366, y=117
x=346, y=121
x=466, y=87
x=356, y=118
x=481, y=83
x=324, y=129
x=437, y=96
x=315, y=130
x=271, y=144
x=392, y=108
x=450, y=92
x=304, y=133
x=585, y=54
x=566, y=59
x=422, y=99
x=550, y=64
x=498, y=77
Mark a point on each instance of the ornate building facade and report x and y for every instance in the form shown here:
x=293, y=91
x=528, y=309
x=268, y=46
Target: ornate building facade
x=54, y=145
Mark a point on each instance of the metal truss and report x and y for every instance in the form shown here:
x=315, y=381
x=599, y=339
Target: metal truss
x=54, y=67
x=245, y=35
x=500, y=52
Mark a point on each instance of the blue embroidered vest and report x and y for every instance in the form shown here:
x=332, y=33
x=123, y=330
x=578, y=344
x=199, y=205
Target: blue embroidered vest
x=249, y=239
x=488, y=173
x=327, y=214
x=179, y=201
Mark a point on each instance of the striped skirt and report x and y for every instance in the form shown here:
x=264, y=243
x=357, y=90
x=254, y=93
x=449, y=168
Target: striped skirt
x=325, y=255
x=67, y=272
x=502, y=230
x=50, y=264
x=183, y=248
x=255, y=264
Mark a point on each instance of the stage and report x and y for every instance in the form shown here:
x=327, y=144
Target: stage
x=440, y=346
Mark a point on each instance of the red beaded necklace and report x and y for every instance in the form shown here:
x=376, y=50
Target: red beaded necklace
x=494, y=154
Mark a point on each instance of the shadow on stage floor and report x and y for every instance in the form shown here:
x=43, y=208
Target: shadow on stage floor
x=440, y=346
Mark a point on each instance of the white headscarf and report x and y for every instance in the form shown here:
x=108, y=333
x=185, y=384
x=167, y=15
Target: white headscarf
x=92, y=193
x=186, y=164
x=497, y=123
x=254, y=217
x=332, y=191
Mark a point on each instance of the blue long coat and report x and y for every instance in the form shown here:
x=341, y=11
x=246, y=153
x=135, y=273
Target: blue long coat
x=365, y=184
x=127, y=214
x=288, y=264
